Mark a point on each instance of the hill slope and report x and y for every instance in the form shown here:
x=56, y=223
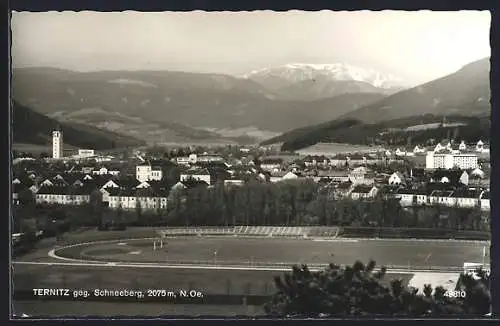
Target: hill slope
x=399, y=132
x=31, y=127
x=172, y=101
x=466, y=92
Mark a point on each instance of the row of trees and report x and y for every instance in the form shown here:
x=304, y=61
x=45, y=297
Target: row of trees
x=359, y=291
x=290, y=203
x=302, y=203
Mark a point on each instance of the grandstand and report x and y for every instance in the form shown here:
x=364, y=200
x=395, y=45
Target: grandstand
x=257, y=231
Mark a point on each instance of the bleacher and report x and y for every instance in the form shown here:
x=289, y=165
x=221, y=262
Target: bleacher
x=323, y=232
x=269, y=231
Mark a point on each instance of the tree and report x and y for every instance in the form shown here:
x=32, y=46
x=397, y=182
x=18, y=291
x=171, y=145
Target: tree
x=95, y=206
x=138, y=209
x=358, y=290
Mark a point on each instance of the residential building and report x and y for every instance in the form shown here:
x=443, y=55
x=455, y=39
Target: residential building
x=395, y=179
x=148, y=172
x=85, y=153
x=276, y=176
x=441, y=197
x=197, y=174
x=234, y=182
x=449, y=161
x=290, y=176
x=467, y=198
x=479, y=146
x=129, y=199
x=418, y=150
x=207, y=158
x=340, y=176
x=63, y=195
x=342, y=189
x=453, y=177
x=485, y=201
x=477, y=173
x=462, y=146
x=271, y=164
x=363, y=192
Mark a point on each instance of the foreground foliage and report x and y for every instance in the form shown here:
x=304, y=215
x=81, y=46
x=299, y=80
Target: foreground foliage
x=359, y=290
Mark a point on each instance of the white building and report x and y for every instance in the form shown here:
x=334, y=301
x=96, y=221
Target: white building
x=208, y=158
x=485, y=201
x=417, y=150
x=57, y=144
x=395, y=179
x=84, y=153
x=400, y=153
x=104, y=171
x=290, y=176
x=148, y=172
x=479, y=146
x=130, y=200
x=462, y=146
x=449, y=161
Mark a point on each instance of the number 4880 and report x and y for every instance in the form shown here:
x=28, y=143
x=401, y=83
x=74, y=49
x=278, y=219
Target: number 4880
x=455, y=294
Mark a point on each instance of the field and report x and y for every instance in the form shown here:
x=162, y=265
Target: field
x=210, y=282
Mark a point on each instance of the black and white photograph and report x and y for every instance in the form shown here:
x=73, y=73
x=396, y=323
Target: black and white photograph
x=263, y=164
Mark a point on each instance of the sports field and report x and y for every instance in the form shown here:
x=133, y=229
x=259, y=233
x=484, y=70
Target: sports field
x=414, y=254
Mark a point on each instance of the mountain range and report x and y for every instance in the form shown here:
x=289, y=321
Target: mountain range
x=465, y=93
x=301, y=81
x=182, y=107
x=168, y=106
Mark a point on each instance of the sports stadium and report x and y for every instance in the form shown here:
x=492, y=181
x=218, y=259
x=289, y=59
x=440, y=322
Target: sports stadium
x=232, y=267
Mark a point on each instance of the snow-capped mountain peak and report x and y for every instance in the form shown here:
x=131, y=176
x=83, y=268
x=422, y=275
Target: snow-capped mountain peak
x=298, y=72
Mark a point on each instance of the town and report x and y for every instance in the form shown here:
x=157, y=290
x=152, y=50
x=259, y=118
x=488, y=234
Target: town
x=156, y=180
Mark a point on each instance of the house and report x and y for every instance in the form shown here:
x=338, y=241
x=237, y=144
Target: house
x=418, y=150
x=441, y=197
x=479, y=146
x=421, y=195
x=343, y=189
x=197, y=174
x=357, y=174
x=467, y=198
x=396, y=179
x=63, y=195
x=477, y=173
x=442, y=146
x=145, y=198
x=234, y=182
x=462, y=146
x=340, y=176
x=398, y=152
x=407, y=197
x=276, y=176
x=271, y=164
x=453, y=177
x=290, y=176
x=485, y=201
x=363, y=192
x=148, y=172
x=184, y=160
x=209, y=158
x=110, y=184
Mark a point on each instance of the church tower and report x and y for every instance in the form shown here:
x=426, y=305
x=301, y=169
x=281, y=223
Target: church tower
x=57, y=143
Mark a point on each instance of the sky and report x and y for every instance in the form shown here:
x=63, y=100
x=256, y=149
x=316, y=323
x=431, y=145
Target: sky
x=416, y=46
